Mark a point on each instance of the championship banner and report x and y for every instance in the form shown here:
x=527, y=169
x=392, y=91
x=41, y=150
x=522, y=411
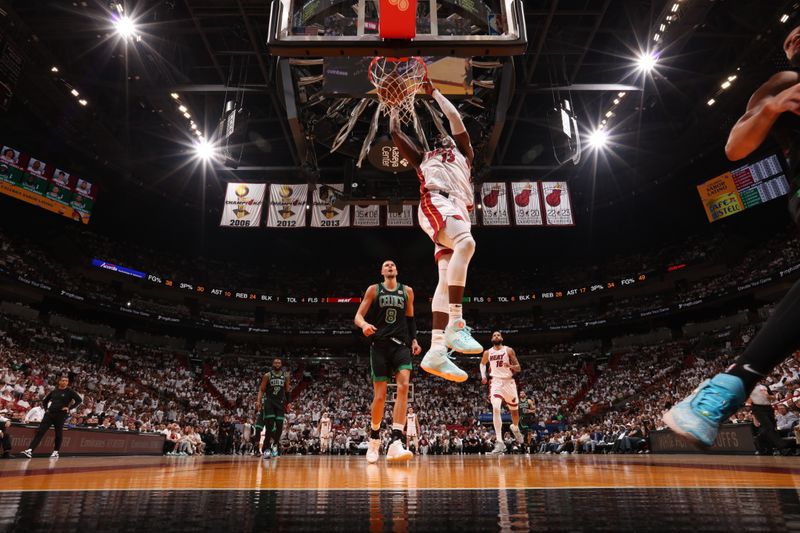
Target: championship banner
x=720, y=197
x=557, y=204
x=404, y=219
x=495, y=204
x=527, y=204
x=243, y=205
x=323, y=213
x=367, y=216
x=287, y=206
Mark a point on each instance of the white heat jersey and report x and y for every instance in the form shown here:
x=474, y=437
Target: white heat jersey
x=447, y=170
x=325, y=428
x=500, y=363
x=411, y=427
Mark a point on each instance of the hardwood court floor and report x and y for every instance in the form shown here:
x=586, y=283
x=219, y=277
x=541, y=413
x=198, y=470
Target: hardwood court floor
x=468, y=493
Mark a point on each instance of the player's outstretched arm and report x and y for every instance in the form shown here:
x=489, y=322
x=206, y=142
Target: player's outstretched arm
x=512, y=357
x=361, y=322
x=780, y=94
x=408, y=148
x=457, y=128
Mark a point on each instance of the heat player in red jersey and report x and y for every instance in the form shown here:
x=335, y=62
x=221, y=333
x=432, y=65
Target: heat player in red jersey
x=446, y=198
x=503, y=364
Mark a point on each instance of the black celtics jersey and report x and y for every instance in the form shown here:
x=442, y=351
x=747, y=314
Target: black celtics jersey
x=276, y=388
x=388, y=313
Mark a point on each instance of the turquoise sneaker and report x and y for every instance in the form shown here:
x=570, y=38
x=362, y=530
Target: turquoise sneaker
x=697, y=418
x=439, y=362
x=275, y=451
x=458, y=337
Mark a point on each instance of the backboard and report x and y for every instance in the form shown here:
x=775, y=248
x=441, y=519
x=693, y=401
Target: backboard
x=455, y=28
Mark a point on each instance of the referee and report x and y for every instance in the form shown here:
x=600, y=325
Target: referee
x=57, y=405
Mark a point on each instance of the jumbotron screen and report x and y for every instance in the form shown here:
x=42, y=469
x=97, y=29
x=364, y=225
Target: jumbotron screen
x=33, y=181
x=743, y=188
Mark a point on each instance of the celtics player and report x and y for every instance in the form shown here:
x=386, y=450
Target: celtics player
x=272, y=395
x=386, y=316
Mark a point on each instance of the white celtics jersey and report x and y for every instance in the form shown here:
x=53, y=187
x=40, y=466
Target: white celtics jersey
x=500, y=363
x=325, y=428
x=411, y=424
x=447, y=170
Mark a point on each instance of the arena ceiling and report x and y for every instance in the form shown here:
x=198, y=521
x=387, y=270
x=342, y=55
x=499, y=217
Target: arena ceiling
x=134, y=135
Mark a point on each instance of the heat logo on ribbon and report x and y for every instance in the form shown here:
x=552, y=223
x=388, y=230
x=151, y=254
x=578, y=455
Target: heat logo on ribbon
x=402, y=5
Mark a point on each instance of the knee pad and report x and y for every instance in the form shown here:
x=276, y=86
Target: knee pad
x=465, y=244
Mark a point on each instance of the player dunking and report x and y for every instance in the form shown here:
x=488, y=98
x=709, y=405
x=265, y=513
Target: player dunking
x=386, y=316
x=272, y=396
x=503, y=364
x=412, y=429
x=773, y=109
x=325, y=435
x=446, y=197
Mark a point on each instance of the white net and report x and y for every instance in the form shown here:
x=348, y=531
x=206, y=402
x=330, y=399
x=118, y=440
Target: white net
x=397, y=80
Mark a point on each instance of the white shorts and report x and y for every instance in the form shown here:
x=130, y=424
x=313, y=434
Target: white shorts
x=434, y=209
x=506, y=390
x=411, y=433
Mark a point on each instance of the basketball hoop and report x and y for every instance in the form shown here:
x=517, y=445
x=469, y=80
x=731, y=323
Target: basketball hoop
x=397, y=80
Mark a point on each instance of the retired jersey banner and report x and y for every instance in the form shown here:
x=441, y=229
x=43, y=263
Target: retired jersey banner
x=557, y=204
x=527, y=207
x=323, y=213
x=495, y=204
x=401, y=220
x=367, y=216
x=287, y=206
x=243, y=205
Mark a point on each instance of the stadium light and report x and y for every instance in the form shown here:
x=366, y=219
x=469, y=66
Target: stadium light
x=125, y=27
x=204, y=150
x=598, y=139
x=646, y=61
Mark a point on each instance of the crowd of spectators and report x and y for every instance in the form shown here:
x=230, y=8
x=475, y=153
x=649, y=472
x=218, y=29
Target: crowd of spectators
x=604, y=402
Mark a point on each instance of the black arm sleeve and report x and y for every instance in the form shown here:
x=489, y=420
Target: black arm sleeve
x=412, y=327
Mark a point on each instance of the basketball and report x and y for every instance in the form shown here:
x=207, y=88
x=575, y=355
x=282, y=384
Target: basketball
x=392, y=90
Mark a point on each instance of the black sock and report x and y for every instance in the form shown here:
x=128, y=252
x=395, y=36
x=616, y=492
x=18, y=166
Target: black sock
x=397, y=435
x=776, y=341
x=375, y=433
x=749, y=377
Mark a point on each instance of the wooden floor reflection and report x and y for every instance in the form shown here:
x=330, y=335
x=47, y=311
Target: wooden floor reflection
x=423, y=473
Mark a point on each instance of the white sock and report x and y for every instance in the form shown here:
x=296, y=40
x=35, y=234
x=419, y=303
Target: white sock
x=437, y=337
x=455, y=313
x=397, y=426
x=375, y=427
